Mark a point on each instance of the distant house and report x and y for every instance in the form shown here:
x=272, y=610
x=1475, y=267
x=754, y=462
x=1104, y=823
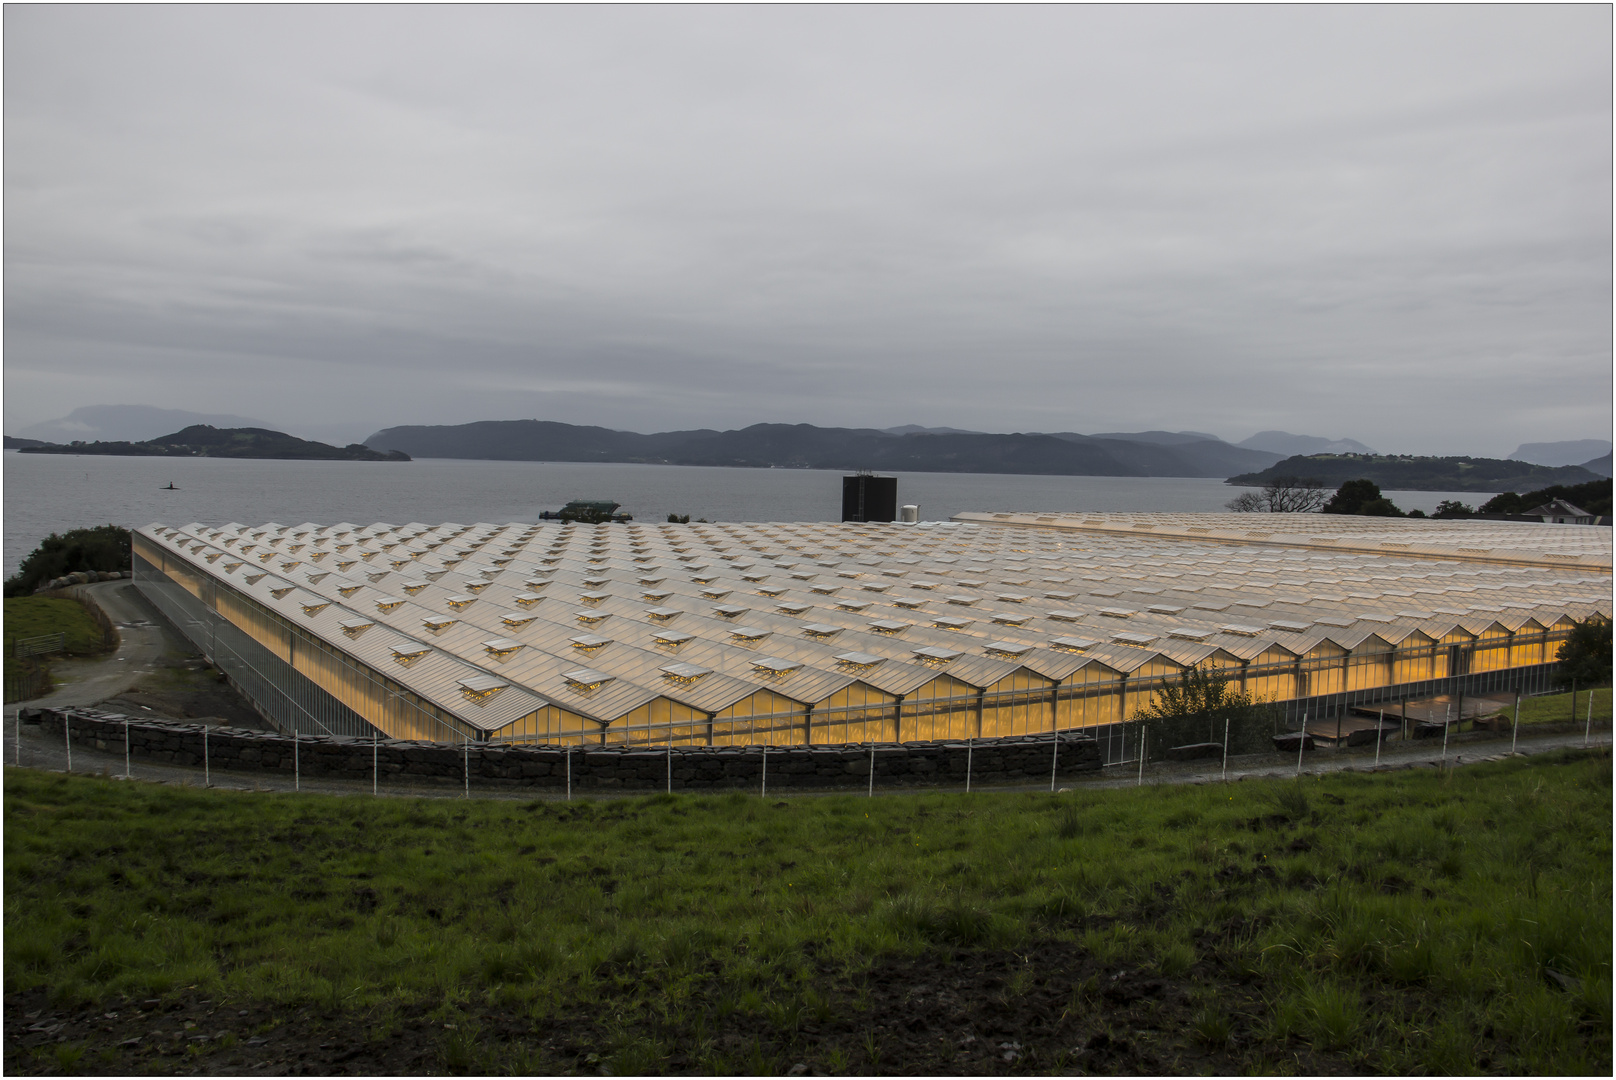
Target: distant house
x=1560, y=512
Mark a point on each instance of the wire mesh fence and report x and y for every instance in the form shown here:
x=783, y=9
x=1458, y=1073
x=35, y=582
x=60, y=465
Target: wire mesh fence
x=1480, y=705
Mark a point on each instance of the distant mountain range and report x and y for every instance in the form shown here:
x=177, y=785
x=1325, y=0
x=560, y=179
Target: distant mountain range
x=1600, y=465
x=142, y=423
x=1591, y=454
x=136, y=429
x=127, y=423
x=1285, y=444
x=804, y=446
x=1409, y=473
x=203, y=440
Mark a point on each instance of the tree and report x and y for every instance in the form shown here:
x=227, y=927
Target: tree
x=1594, y=497
x=104, y=548
x=1196, y=707
x=1585, y=655
x=1507, y=502
x=679, y=519
x=1381, y=507
x=1361, y=497
x=1247, y=502
x=1281, y=495
x=1452, y=508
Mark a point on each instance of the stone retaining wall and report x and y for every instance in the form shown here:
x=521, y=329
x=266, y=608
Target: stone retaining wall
x=593, y=768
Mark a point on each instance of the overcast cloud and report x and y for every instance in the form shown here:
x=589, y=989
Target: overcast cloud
x=1379, y=222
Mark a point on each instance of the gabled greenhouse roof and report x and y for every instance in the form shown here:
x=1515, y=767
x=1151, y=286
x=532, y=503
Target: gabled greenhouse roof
x=707, y=615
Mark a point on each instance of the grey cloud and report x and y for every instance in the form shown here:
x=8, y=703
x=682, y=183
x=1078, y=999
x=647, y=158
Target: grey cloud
x=995, y=218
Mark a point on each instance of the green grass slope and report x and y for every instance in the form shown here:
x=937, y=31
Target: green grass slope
x=35, y=616
x=1455, y=922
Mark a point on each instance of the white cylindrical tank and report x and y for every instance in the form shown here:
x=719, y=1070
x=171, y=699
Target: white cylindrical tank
x=909, y=513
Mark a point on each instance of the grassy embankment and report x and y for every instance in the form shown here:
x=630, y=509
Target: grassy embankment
x=1560, y=709
x=1453, y=922
x=36, y=616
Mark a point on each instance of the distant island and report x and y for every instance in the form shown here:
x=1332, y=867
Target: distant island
x=804, y=446
x=1404, y=472
x=203, y=440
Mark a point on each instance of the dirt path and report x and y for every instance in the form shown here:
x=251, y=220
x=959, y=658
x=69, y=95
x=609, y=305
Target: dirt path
x=142, y=643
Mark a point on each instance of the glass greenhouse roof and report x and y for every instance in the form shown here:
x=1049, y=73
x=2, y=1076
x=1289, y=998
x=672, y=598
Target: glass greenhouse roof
x=558, y=613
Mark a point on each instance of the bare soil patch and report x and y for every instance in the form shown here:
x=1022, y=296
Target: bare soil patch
x=188, y=688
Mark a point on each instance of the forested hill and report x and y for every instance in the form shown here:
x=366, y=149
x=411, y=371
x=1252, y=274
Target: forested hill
x=804, y=446
x=202, y=440
x=1410, y=473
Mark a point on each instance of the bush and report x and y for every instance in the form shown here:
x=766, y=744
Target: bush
x=1585, y=656
x=104, y=548
x=1195, y=710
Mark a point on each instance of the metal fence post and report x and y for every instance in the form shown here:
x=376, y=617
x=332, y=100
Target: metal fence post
x=569, y=773
x=1301, y=744
x=969, y=746
x=465, y=745
x=670, y=763
x=763, y=791
x=297, y=764
x=1226, y=749
x=1141, y=781
x=1588, y=730
x=375, y=761
x=1447, y=718
x=67, y=734
x=207, y=767
x=125, y=746
x=871, y=793
x=1515, y=728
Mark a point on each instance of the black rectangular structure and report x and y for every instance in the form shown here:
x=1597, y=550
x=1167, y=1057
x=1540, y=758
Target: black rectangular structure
x=869, y=498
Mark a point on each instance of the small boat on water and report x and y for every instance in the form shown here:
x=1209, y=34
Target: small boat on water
x=170, y=487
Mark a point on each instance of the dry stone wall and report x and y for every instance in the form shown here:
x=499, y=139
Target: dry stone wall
x=592, y=768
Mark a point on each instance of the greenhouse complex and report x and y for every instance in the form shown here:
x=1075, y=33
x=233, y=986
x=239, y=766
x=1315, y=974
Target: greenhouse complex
x=987, y=625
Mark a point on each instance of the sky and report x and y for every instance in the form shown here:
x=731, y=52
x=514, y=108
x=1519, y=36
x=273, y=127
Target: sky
x=1379, y=222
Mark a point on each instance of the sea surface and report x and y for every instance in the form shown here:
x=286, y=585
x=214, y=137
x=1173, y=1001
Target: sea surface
x=46, y=493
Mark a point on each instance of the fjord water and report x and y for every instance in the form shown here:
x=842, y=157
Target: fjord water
x=47, y=493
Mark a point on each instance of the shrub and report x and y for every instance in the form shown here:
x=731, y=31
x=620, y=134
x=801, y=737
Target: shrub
x=1585, y=656
x=1195, y=708
x=104, y=548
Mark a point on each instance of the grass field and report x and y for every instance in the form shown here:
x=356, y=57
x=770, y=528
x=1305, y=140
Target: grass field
x=1452, y=922
x=35, y=616
x=1559, y=708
